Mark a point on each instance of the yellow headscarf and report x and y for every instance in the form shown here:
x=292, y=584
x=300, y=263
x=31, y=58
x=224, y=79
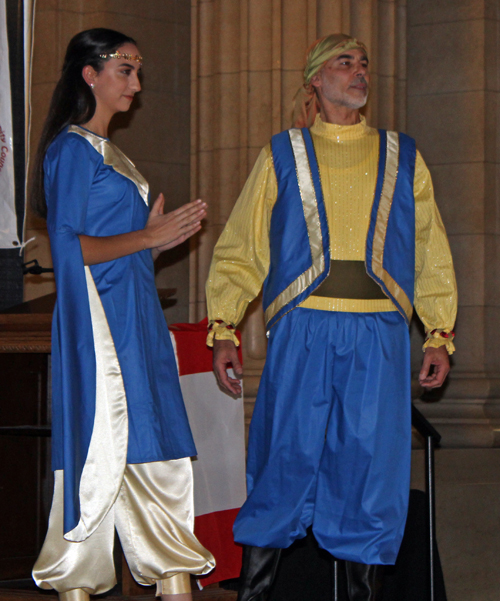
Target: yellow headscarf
x=306, y=102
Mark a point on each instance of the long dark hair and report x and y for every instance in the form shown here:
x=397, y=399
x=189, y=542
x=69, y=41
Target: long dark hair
x=72, y=102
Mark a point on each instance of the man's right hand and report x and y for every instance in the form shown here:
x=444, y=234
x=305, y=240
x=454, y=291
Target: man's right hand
x=225, y=352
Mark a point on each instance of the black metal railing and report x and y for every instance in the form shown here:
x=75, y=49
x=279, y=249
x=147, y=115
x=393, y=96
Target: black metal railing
x=432, y=439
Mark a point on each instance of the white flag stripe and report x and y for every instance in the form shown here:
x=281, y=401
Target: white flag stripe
x=8, y=219
x=217, y=422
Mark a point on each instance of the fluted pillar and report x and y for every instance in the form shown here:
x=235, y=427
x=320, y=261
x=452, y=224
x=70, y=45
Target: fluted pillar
x=246, y=65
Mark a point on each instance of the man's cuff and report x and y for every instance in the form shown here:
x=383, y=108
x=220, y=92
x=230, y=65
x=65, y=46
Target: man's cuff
x=440, y=337
x=221, y=330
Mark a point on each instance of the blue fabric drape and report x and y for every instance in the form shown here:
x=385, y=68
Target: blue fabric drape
x=330, y=437
x=86, y=196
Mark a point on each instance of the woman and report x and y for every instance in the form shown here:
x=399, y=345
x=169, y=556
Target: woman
x=121, y=438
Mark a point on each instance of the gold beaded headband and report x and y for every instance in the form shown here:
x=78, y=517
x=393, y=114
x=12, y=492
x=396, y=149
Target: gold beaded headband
x=127, y=57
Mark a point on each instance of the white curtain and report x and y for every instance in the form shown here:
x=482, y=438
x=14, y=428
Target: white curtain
x=8, y=220
x=29, y=29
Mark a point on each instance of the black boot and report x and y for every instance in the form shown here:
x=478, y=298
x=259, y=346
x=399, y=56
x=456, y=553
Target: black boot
x=257, y=572
x=364, y=582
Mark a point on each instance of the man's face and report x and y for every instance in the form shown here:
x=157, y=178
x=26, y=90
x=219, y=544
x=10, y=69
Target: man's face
x=344, y=79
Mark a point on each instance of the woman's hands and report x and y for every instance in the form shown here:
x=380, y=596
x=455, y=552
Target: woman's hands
x=160, y=233
x=164, y=231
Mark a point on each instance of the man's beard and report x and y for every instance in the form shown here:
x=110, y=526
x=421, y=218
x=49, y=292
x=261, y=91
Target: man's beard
x=352, y=103
x=355, y=103
x=347, y=100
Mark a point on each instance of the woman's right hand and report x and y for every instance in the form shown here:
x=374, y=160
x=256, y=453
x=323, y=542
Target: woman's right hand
x=164, y=231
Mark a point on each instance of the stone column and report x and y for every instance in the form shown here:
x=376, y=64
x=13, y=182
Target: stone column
x=453, y=112
x=246, y=65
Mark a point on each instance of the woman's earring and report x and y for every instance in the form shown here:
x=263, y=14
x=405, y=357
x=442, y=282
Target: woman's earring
x=92, y=85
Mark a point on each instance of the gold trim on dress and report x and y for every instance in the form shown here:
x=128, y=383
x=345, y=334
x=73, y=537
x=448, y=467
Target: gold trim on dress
x=115, y=158
x=102, y=474
x=384, y=210
x=313, y=224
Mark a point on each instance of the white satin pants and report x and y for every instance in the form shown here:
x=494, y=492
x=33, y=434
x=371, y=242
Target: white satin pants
x=154, y=518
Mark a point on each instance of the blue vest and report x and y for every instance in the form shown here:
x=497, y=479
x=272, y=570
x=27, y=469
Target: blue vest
x=299, y=236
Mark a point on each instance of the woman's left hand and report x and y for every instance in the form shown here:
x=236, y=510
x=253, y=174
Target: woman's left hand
x=161, y=233
x=184, y=215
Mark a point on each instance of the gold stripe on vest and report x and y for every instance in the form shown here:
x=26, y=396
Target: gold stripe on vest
x=384, y=209
x=311, y=215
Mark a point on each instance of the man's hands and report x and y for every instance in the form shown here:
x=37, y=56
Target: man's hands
x=164, y=231
x=225, y=352
x=438, y=357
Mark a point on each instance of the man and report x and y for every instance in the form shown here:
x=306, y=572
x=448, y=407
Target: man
x=339, y=224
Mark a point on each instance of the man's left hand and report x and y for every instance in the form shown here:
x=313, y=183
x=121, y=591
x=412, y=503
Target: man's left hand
x=438, y=357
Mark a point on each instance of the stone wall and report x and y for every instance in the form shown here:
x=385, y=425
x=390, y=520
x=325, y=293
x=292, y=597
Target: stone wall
x=154, y=134
x=453, y=111
x=467, y=519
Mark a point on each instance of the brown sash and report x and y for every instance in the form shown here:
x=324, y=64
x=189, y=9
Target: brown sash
x=348, y=279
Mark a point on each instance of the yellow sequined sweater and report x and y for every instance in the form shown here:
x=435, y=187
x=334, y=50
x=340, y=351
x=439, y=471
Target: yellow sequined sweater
x=348, y=163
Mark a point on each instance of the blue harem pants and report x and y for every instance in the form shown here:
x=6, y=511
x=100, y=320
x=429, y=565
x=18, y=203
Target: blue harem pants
x=330, y=437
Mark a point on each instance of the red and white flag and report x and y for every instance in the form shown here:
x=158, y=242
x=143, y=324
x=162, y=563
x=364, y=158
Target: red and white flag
x=217, y=422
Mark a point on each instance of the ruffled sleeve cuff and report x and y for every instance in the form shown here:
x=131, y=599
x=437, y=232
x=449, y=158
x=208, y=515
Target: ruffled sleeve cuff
x=440, y=337
x=221, y=330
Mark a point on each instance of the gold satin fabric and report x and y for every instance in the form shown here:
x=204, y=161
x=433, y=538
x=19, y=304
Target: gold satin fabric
x=154, y=517
x=348, y=163
x=177, y=584
x=115, y=158
x=102, y=474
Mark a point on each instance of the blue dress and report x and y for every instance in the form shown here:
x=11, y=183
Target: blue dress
x=93, y=189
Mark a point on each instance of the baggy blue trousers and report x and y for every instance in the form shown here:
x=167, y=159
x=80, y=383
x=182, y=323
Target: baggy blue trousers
x=330, y=437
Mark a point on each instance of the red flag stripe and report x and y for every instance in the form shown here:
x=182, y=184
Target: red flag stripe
x=193, y=361
x=215, y=531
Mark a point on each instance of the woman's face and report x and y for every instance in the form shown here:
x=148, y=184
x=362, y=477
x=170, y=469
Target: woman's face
x=117, y=83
